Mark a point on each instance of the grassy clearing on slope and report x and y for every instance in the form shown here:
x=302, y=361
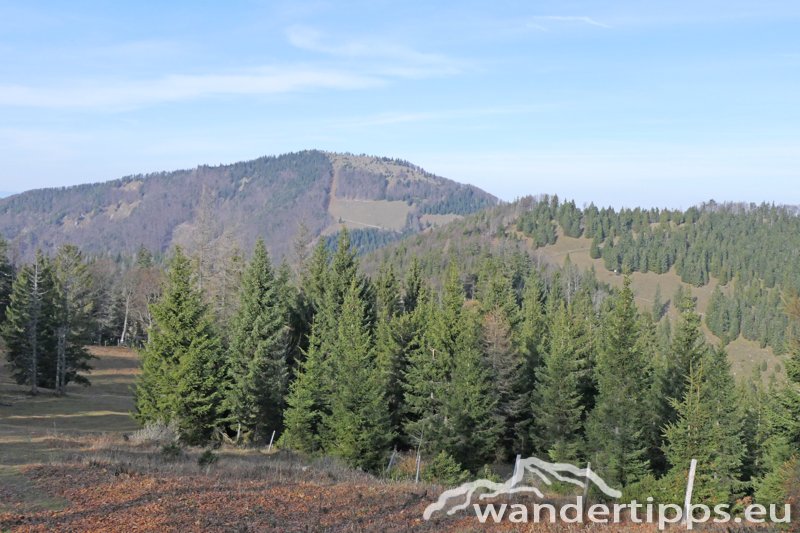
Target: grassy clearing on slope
x=744, y=355
x=360, y=214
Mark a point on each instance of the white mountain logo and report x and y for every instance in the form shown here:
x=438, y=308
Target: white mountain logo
x=536, y=468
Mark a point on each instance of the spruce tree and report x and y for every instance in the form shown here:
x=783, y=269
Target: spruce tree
x=557, y=402
x=594, y=248
x=313, y=279
x=687, y=349
x=412, y=286
x=756, y=400
x=6, y=279
x=728, y=416
x=391, y=339
x=616, y=425
x=783, y=443
x=358, y=427
x=430, y=364
x=787, y=420
x=305, y=406
x=505, y=367
x=698, y=433
x=308, y=402
x=73, y=315
x=258, y=351
x=658, y=304
x=530, y=337
x=426, y=377
x=28, y=331
x=182, y=363
x=505, y=360
x=471, y=421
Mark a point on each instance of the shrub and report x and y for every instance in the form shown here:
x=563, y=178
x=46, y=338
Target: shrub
x=445, y=470
x=172, y=451
x=488, y=473
x=155, y=433
x=206, y=458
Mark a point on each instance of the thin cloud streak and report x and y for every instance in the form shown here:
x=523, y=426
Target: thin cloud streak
x=562, y=18
x=403, y=61
x=390, y=118
x=105, y=94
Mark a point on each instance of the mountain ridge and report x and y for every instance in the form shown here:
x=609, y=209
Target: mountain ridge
x=265, y=197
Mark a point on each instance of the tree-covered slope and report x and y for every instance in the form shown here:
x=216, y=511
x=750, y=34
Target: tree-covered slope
x=268, y=197
x=737, y=261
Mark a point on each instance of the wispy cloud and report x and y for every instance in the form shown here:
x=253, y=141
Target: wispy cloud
x=396, y=59
x=541, y=22
x=173, y=88
x=405, y=117
x=378, y=64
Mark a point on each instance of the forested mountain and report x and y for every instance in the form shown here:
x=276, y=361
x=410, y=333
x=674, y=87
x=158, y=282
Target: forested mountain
x=228, y=205
x=737, y=261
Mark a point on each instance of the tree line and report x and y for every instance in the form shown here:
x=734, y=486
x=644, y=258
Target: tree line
x=508, y=359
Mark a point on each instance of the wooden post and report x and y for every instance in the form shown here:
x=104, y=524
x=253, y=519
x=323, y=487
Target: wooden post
x=419, y=448
x=687, y=502
x=269, y=448
x=391, y=460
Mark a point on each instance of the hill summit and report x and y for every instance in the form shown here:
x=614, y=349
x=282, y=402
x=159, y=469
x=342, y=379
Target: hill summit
x=269, y=197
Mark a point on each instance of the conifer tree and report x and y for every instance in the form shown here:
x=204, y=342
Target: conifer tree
x=344, y=269
x=412, y=286
x=530, y=337
x=429, y=369
x=781, y=455
x=557, y=402
x=313, y=278
x=687, y=349
x=658, y=304
x=587, y=330
x=72, y=319
x=728, y=416
x=505, y=361
x=616, y=425
x=387, y=292
x=6, y=278
x=258, y=351
x=358, y=427
x=391, y=339
x=756, y=402
x=698, y=433
x=307, y=402
x=505, y=366
x=471, y=420
x=594, y=248
x=182, y=363
x=28, y=331
x=787, y=421
x=431, y=364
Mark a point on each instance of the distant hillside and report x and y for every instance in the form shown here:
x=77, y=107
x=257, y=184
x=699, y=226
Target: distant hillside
x=737, y=261
x=268, y=197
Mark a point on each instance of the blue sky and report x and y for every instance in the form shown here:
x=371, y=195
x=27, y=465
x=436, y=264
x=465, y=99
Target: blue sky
x=622, y=103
